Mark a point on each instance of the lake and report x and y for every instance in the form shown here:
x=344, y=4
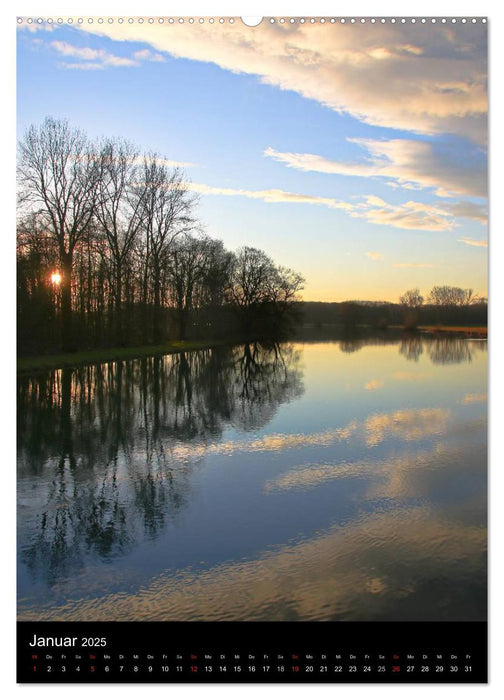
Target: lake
x=336, y=480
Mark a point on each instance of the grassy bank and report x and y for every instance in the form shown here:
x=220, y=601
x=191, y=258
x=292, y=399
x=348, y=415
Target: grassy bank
x=88, y=357
x=466, y=330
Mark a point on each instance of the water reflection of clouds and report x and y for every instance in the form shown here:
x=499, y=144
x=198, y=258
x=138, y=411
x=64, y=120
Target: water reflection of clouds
x=374, y=384
x=269, y=443
x=381, y=566
x=474, y=398
x=108, y=463
x=308, y=476
x=405, y=424
x=389, y=477
x=409, y=425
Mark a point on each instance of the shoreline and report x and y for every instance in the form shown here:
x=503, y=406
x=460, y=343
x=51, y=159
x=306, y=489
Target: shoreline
x=466, y=331
x=100, y=355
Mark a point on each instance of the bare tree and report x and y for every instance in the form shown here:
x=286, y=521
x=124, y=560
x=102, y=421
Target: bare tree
x=119, y=212
x=285, y=286
x=215, y=284
x=469, y=296
x=58, y=176
x=258, y=281
x=253, y=278
x=261, y=292
x=412, y=298
x=449, y=296
x=187, y=266
x=477, y=299
x=167, y=214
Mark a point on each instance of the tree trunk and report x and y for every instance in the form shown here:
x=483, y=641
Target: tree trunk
x=182, y=323
x=118, y=309
x=67, y=340
x=156, y=326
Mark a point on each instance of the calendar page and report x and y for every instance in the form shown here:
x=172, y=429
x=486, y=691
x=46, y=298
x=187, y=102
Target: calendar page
x=252, y=349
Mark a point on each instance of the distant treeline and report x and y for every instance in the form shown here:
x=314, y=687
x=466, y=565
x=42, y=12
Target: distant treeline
x=351, y=314
x=110, y=253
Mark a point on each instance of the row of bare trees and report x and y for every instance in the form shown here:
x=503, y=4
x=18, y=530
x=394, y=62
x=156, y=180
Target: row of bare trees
x=110, y=250
x=444, y=304
x=441, y=296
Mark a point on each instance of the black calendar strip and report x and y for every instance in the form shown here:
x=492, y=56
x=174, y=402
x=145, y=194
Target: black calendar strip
x=252, y=652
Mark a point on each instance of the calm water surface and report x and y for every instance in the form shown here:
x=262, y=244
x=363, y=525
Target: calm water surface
x=324, y=481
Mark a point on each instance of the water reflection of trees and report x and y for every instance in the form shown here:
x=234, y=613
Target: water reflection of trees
x=106, y=452
x=350, y=345
x=441, y=351
x=411, y=347
x=447, y=351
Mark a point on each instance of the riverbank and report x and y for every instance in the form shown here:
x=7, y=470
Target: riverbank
x=468, y=331
x=96, y=356
x=339, y=331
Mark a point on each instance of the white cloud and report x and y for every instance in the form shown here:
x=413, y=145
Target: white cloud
x=410, y=215
x=82, y=66
x=272, y=196
x=36, y=27
x=396, y=76
x=98, y=57
x=146, y=55
x=165, y=161
x=373, y=255
x=406, y=163
x=472, y=242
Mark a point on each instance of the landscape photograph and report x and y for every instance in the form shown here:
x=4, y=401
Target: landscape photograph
x=251, y=319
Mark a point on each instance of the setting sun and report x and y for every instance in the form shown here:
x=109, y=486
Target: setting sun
x=56, y=278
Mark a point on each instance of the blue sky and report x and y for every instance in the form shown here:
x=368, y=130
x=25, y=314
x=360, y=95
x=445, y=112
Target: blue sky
x=356, y=155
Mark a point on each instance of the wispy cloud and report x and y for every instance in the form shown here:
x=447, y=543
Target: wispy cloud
x=410, y=215
x=406, y=163
x=471, y=241
x=86, y=58
x=165, y=161
x=272, y=196
x=93, y=58
x=146, y=55
x=90, y=65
